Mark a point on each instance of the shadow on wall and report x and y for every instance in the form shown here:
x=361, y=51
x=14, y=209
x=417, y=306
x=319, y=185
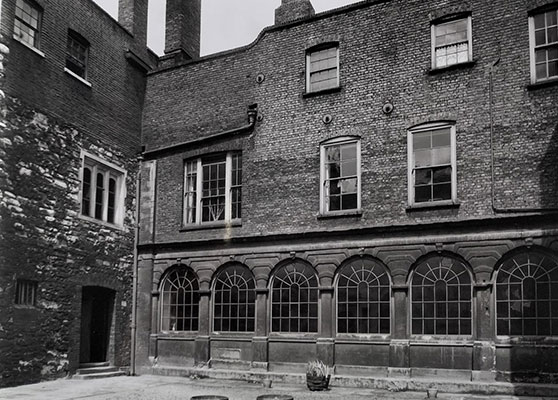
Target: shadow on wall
x=548, y=169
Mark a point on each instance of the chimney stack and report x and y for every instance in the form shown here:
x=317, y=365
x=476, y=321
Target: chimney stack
x=183, y=21
x=291, y=10
x=132, y=15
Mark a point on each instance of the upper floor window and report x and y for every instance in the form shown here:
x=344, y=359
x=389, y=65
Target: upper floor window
x=340, y=175
x=322, y=69
x=213, y=189
x=543, y=28
x=451, y=42
x=294, y=299
x=527, y=295
x=180, y=300
x=26, y=292
x=77, y=54
x=234, y=300
x=363, y=298
x=432, y=165
x=27, y=23
x=441, y=297
x=102, y=190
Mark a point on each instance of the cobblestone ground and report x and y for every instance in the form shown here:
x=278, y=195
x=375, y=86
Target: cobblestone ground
x=176, y=388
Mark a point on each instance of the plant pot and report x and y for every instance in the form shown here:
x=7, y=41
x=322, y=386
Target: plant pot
x=317, y=382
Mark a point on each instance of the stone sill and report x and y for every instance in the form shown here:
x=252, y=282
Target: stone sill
x=101, y=222
x=211, y=225
x=76, y=76
x=432, y=205
x=543, y=84
x=453, y=67
x=34, y=49
x=320, y=92
x=340, y=214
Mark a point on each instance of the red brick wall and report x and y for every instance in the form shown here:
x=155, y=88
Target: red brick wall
x=384, y=56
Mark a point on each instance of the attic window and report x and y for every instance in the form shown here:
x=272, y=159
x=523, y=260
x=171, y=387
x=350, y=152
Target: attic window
x=322, y=69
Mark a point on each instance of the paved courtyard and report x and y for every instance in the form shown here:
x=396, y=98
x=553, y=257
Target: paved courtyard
x=177, y=388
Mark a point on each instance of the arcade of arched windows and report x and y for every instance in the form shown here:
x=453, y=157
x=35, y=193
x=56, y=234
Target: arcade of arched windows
x=440, y=297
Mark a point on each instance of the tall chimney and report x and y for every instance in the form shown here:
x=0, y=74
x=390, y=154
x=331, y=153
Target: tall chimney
x=183, y=28
x=290, y=10
x=132, y=15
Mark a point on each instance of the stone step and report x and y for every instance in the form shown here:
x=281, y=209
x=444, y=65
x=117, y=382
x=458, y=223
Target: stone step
x=95, y=370
x=94, y=364
x=100, y=375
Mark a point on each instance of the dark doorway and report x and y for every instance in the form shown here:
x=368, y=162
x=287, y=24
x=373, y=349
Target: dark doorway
x=97, y=304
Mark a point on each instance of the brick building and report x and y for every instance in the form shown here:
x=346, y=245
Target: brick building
x=374, y=186
x=73, y=83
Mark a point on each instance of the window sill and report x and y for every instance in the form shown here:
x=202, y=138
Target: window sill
x=431, y=205
x=101, y=222
x=79, y=78
x=543, y=84
x=320, y=92
x=34, y=49
x=26, y=307
x=211, y=225
x=340, y=214
x=463, y=65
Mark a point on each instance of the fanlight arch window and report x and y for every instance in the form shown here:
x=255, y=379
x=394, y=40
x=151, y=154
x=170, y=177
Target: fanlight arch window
x=527, y=295
x=363, y=298
x=180, y=300
x=441, y=297
x=294, y=299
x=234, y=300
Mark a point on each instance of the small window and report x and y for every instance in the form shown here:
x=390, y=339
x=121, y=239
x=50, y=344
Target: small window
x=432, y=165
x=451, y=43
x=294, y=299
x=543, y=28
x=77, y=54
x=441, y=297
x=234, y=300
x=180, y=300
x=27, y=23
x=102, y=191
x=213, y=189
x=26, y=292
x=340, y=175
x=322, y=69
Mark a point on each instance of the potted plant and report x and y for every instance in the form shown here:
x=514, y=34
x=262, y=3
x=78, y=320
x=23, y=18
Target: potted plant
x=317, y=375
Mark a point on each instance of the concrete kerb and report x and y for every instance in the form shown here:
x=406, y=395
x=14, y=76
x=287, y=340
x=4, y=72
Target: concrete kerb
x=380, y=383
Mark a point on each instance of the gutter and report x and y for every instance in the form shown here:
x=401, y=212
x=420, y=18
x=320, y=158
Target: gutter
x=500, y=210
x=176, y=148
x=135, y=275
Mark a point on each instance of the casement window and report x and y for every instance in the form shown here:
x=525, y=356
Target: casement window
x=527, y=295
x=432, y=164
x=451, y=43
x=322, y=69
x=441, y=297
x=77, y=54
x=363, y=298
x=294, y=299
x=213, y=189
x=27, y=23
x=102, y=190
x=543, y=29
x=26, y=292
x=179, y=300
x=234, y=305
x=340, y=175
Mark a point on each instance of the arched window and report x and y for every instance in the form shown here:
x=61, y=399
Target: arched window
x=234, y=300
x=441, y=296
x=180, y=300
x=294, y=299
x=363, y=298
x=527, y=295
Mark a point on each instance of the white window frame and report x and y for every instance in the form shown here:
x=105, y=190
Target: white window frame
x=324, y=207
x=108, y=169
x=532, y=46
x=411, y=164
x=199, y=189
x=35, y=46
x=308, y=57
x=469, y=40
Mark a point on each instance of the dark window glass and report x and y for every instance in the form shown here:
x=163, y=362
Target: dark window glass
x=111, y=200
x=27, y=22
x=26, y=292
x=99, y=196
x=77, y=51
x=86, y=192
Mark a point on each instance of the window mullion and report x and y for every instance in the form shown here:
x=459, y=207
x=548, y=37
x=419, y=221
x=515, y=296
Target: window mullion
x=228, y=180
x=199, y=187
